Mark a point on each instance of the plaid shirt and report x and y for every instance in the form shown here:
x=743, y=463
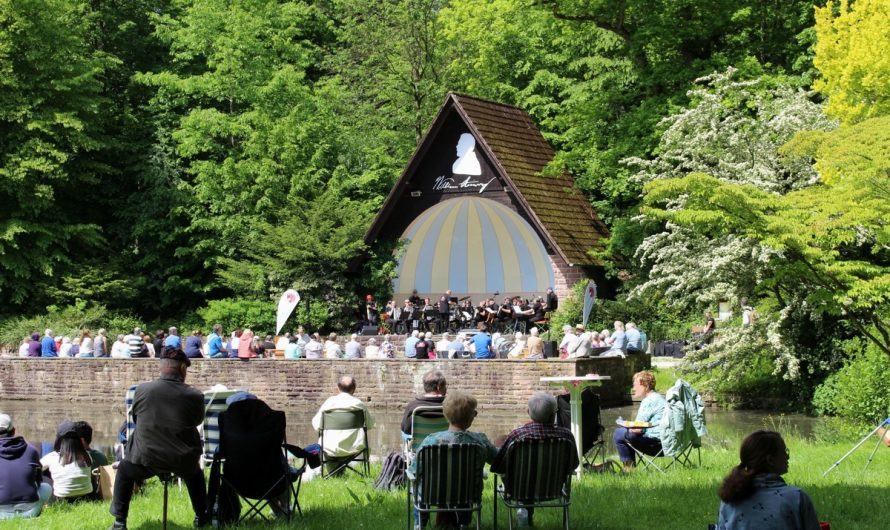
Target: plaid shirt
x=532, y=431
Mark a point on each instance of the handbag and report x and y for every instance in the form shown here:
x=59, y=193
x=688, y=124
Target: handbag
x=106, y=475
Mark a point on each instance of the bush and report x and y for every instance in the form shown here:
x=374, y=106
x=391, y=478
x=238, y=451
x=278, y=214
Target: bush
x=70, y=321
x=259, y=315
x=858, y=391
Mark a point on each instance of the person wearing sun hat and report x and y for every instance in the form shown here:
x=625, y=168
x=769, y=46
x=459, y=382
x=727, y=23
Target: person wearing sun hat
x=21, y=492
x=166, y=412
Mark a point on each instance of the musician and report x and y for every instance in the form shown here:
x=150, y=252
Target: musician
x=429, y=312
x=551, y=301
x=445, y=305
x=391, y=314
x=371, y=312
x=538, y=309
x=415, y=299
x=491, y=311
x=505, y=312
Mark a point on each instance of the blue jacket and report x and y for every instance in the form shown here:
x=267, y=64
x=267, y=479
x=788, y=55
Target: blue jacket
x=773, y=506
x=19, y=471
x=48, y=347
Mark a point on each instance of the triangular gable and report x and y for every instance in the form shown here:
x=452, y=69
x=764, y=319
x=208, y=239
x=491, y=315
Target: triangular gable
x=511, y=153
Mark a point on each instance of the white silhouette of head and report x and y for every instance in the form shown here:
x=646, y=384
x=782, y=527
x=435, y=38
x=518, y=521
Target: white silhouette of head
x=466, y=163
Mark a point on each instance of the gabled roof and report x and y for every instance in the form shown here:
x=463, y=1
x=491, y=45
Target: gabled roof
x=519, y=152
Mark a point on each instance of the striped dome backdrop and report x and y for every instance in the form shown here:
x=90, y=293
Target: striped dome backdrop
x=472, y=245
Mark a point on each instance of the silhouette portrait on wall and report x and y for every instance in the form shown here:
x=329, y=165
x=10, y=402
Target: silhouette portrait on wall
x=466, y=163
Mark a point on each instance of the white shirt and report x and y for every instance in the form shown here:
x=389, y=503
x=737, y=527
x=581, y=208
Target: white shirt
x=349, y=441
x=282, y=343
x=86, y=346
x=68, y=480
x=120, y=350
x=332, y=350
x=442, y=346
x=372, y=351
x=23, y=350
x=313, y=349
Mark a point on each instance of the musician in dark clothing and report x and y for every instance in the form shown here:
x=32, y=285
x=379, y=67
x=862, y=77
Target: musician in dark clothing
x=416, y=300
x=371, y=310
x=551, y=301
x=538, y=310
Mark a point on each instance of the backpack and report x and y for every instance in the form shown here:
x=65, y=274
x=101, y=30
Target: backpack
x=392, y=474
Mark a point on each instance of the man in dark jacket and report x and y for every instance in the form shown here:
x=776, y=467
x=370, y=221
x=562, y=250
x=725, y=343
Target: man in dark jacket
x=21, y=492
x=166, y=412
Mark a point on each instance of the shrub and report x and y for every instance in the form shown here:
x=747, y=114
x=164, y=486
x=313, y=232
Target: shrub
x=858, y=391
x=70, y=321
x=259, y=315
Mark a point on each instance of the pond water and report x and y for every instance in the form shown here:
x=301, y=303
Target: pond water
x=38, y=421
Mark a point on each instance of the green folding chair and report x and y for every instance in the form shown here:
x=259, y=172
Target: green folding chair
x=448, y=478
x=341, y=420
x=424, y=422
x=538, y=474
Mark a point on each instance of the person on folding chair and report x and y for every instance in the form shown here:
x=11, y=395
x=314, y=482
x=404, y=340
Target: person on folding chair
x=434, y=388
x=166, y=412
x=646, y=441
x=542, y=409
x=343, y=444
x=460, y=410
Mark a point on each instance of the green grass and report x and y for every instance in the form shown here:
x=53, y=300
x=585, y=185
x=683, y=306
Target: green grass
x=849, y=498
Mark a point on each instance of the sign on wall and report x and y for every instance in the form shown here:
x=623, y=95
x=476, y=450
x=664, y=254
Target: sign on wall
x=467, y=174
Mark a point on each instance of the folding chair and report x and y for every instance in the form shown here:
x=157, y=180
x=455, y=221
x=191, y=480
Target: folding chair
x=682, y=426
x=593, y=444
x=538, y=475
x=253, y=455
x=341, y=420
x=448, y=478
x=214, y=405
x=424, y=422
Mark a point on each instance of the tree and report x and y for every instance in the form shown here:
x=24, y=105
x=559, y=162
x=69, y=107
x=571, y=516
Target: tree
x=853, y=55
x=51, y=103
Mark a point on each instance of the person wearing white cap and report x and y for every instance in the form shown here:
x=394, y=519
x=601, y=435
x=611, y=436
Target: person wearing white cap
x=21, y=492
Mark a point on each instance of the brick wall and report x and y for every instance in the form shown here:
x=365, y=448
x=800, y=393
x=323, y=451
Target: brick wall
x=564, y=276
x=498, y=384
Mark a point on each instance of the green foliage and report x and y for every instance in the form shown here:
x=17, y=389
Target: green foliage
x=258, y=315
x=67, y=321
x=858, y=391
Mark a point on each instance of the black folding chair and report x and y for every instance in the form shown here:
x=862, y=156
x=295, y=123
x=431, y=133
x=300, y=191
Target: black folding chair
x=253, y=454
x=592, y=443
x=448, y=479
x=538, y=474
x=341, y=420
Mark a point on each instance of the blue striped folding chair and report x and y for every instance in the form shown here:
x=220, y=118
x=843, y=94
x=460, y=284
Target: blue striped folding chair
x=448, y=479
x=214, y=405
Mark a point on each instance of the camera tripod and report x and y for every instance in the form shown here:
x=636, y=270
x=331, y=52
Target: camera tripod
x=884, y=423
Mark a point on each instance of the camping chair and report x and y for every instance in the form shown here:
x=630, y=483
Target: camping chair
x=538, y=474
x=214, y=405
x=593, y=445
x=424, y=422
x=682, y=426
x=341, y=420
x=448, y=478
x=253, y=456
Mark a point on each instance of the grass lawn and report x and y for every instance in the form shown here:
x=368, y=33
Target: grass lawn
x=849, y=498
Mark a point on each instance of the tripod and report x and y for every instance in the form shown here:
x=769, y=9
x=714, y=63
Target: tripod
x=884, y=423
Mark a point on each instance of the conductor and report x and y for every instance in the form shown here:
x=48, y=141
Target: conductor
x=166, y=412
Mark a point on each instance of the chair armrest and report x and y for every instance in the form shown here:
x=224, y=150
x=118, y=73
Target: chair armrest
x=296, y=450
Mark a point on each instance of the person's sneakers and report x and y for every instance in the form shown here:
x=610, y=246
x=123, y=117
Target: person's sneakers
x=201, y=522
x=118, y=525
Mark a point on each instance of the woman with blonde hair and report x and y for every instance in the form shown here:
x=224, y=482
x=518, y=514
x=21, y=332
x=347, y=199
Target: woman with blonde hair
x=753, y=494
x=645, y=440
x=86, y=344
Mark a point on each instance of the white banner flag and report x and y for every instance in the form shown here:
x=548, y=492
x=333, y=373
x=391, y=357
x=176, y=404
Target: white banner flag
x=287, y=303
x=589, y=299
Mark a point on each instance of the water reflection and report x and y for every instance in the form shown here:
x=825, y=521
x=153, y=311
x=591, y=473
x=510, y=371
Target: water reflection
x=38, y=421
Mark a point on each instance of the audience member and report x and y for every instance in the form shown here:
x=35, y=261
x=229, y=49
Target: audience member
x=331, y=348
x=246, y=349
x=23, y=347
x=569, y=341
x=215, y=347
x=69, y=465
x=542, y=411
x=753, y=495
x=460, y=410
x=388, y=349
x=293, y=349
x=166, y=412
x=268, y=347
x=347, y=442
x=314, y=347
x=158, y=341
x=634, y=338
x=120, y=349
x=482, y=343
x=172, y=340
x=136, y=344
x=353, y=348
x=411, y=344
x=535, y=345
x=86, y=344
x=193, y=345
x=100, y=345
x=617, y=342
x=443, y=344
x=518, y=349
x=21, y=492
x=647, y=441
x=34, y=346
x=282, y=342
x=235, y=343
x=85, y=431
x=48, y=345
x=372, y=350
x=456, y=346
x=65, y=349
x=434, y=388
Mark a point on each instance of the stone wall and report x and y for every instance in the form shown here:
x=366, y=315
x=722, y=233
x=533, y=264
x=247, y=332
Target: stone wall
x=498, y=384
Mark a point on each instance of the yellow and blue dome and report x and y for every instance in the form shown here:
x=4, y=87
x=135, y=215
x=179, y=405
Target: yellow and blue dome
x=472, y=245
